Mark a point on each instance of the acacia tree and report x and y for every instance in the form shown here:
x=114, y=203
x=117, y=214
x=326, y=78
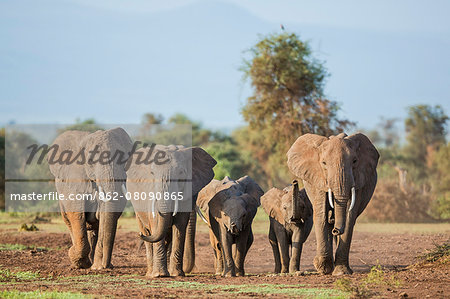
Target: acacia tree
x=288, y=101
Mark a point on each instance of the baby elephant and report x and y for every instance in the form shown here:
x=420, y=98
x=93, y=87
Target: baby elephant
x=230, y=207
x=290, y=214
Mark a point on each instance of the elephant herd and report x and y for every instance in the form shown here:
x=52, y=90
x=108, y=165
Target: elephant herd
x=169, y=190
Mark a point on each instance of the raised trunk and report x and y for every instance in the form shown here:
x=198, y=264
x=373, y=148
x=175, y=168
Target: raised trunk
x=296, y=202
x=189, y=245
x=340, y=217
x=164, y=222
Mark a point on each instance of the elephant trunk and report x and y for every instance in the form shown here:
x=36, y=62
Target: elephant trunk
x=296, y=202
x=164, y=222
x=189, y=245
x=340, y=217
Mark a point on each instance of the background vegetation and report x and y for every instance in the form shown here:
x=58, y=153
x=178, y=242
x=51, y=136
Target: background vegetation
x=288, y=100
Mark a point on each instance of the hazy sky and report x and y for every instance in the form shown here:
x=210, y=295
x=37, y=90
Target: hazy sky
x=116, y=60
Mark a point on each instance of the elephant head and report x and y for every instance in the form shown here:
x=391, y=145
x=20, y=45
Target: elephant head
x=169, y=186
x=338, y=165
x=287, y=206
x=83, y=158
x=232, y=203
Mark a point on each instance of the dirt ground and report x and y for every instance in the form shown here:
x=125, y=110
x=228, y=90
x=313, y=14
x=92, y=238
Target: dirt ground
x=393, y=251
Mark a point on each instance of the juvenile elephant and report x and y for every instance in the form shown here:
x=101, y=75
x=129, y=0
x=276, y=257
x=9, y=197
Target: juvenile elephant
x=83, y=163
x=339, y=174
x=290, y=215
x=230, y=207
x=168, y=226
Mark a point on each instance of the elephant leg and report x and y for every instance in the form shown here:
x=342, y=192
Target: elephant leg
x=226, y=243
x=323, y=261
x=189, y=244
x=241, y=250
x=178, y=239
x=79, y=251
x=106, y=236
x=159, y=268
x=218, y=258
x=149, y=256
x=342, y=266
x=92, y=238
x=148, y=246
x=276, y=253
x=92, y=234
x=297, y=245
x=283, y=247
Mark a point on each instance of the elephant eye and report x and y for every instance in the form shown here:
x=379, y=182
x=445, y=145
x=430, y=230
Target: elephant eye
x=324, y=163
x=354, y=161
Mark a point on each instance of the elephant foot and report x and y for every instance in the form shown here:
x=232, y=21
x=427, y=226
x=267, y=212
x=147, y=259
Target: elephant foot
x=78, y=261
x=323, y=264
x=229, y=273
x=342, y=270
x=81, y=263
x=156, y=274
x=294, y=269
x=99, y=266
x=240, y=273
x=177, y=273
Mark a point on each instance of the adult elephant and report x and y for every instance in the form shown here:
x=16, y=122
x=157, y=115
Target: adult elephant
x=91, y=165
x=168, y=226
x=339, y=175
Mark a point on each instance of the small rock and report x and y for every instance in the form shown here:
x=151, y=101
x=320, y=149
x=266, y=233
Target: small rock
x=403, y=295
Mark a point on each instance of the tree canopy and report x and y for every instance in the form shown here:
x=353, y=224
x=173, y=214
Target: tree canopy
x=288, y=100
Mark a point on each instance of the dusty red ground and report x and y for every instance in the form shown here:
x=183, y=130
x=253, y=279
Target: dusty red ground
x=392, y=251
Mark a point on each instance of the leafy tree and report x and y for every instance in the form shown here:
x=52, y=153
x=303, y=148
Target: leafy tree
x=287, y=101
x=440, y=182
x=152, y=119
x=230, y=162
x=426, y=131
x=88, y=125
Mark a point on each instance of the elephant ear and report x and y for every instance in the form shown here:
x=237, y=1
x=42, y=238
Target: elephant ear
x=206, y=195
x=367, y=159
x=67, y=141
x=303, y=160
x=252, y=188
x=202, y=169
x=271, y=203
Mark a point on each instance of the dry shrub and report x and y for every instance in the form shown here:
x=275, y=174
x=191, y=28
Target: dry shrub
x=390, y=204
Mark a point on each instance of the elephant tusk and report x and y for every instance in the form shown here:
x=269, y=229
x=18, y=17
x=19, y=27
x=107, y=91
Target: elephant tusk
x=175, y=209
x=197, y=209
x=124, y=190
x=352, y=204
x=330, y=198
x=153, y=207
x=101, y=194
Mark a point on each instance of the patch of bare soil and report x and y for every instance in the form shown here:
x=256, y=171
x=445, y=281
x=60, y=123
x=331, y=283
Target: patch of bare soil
x=394, y=252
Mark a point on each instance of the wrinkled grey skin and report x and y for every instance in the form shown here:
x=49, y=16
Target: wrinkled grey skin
x=93, y=224
x=338, y=163
x=169, y=236
x=230, y=207
x=290, y=215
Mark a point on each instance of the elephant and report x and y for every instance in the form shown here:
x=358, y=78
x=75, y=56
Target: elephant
x=168, y=226
x=92, y=223
x=290, y=215
x=230, y=207
x=341, y=169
